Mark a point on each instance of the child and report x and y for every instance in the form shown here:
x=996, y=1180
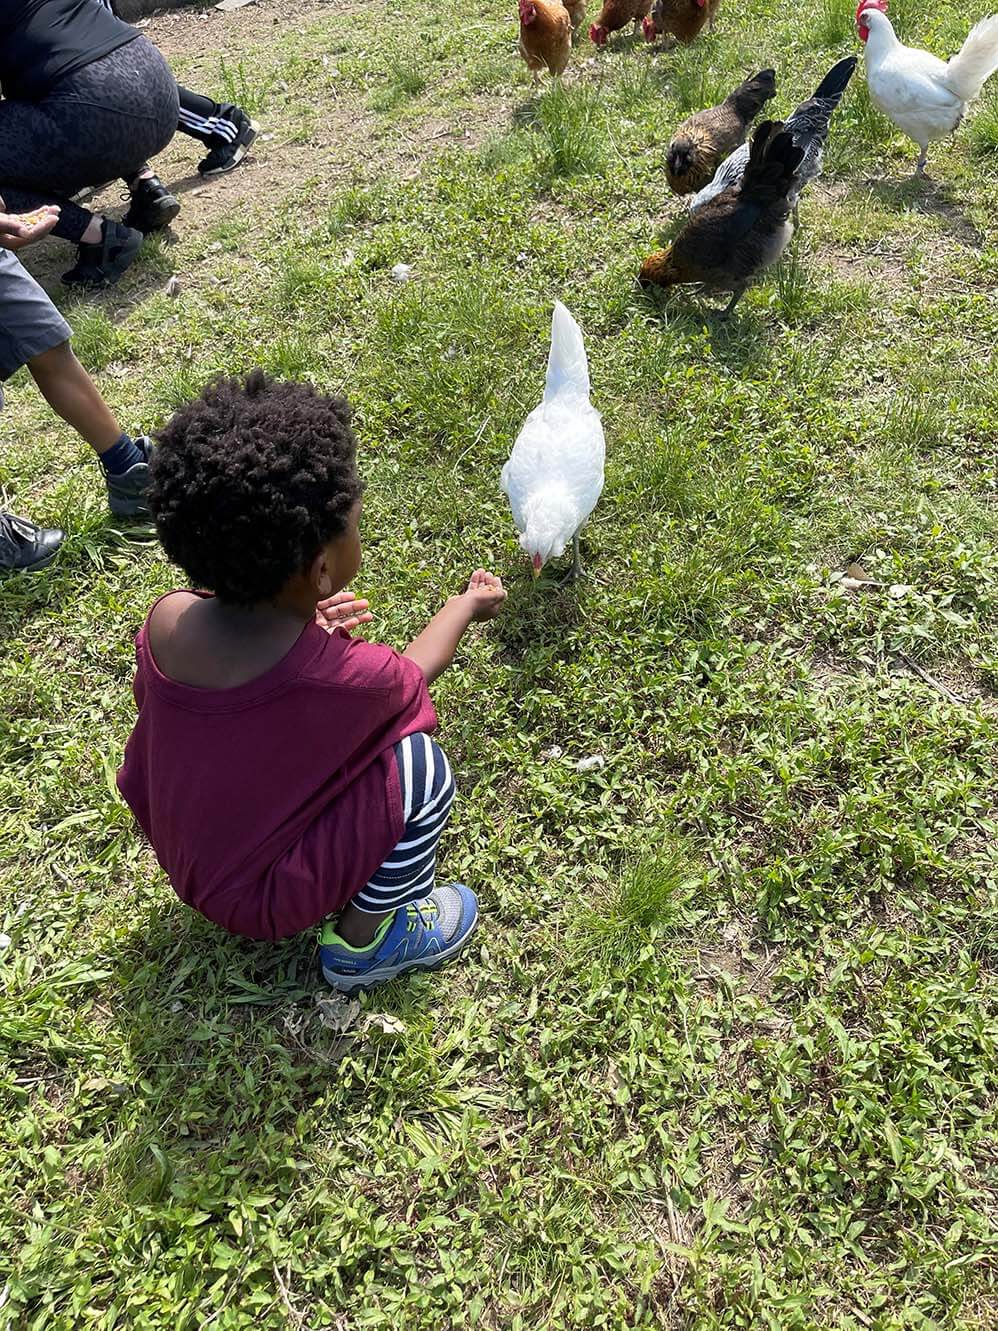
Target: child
x=282, y=770
x=34, y=333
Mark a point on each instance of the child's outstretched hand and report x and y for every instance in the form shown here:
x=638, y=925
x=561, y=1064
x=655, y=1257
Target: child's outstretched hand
x=342, y=611
x=486, y=593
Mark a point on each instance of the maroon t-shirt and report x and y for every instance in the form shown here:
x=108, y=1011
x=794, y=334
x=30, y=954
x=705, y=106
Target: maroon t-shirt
x=271, y=804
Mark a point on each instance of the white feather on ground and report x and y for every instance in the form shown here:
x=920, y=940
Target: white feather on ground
x=554, y=475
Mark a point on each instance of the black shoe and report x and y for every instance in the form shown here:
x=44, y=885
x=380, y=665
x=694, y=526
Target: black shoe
x=126, y=492
x=102, y=264
x=153, y=207
x=227, y=156
x=25, y=546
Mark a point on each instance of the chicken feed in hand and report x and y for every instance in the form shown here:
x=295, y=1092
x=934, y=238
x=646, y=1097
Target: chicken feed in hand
x=554, y=475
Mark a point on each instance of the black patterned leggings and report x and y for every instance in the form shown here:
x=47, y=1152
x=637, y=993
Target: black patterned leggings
x=95, y=125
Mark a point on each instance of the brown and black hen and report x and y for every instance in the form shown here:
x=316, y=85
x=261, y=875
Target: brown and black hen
x=743, y=230
x=702, y=142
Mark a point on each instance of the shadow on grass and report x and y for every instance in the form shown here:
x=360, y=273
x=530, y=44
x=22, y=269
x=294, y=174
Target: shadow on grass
x=740, y=340
x=933, y=198
x=546, y=610
x=147, y=276
x=229, y=1036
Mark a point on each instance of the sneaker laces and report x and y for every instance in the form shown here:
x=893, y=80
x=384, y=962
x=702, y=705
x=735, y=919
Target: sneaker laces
x=426, y=911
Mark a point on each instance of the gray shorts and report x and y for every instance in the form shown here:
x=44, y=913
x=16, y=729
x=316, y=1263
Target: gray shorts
x=29, y=322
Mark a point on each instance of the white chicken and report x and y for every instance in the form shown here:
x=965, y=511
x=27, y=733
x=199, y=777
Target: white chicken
x=925, y=97
x=554, y=475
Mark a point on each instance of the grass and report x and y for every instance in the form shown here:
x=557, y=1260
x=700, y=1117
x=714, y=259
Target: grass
x=724, y=1053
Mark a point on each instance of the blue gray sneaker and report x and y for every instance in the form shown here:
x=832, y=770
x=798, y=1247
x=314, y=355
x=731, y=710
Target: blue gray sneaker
x=126, y=494
x=420, y=936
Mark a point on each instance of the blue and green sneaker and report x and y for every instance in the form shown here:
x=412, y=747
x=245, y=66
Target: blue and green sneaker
x=421, y=936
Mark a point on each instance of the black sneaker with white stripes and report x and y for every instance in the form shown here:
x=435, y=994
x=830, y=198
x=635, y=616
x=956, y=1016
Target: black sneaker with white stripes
x=227, y=156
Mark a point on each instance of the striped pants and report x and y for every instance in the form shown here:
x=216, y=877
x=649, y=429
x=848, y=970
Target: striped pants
x=203, y=119
x=427, y=795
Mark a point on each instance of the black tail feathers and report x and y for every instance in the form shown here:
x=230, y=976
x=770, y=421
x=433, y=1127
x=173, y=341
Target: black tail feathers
x=835, y=82
x=750, y=97
x=773, y=160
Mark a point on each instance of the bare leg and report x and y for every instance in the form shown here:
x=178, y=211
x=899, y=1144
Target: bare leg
x=356, y=927
x=72, y=394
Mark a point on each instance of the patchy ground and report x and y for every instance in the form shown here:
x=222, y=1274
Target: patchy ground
x=725, y=1055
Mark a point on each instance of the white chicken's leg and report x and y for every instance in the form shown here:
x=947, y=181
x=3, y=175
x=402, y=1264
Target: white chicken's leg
x=575, y=572
x=923, y=158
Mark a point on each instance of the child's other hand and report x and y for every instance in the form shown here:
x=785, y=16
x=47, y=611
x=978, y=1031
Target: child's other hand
x=342, y=611
x=486, y=594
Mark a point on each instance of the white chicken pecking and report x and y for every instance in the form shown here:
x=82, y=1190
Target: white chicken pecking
x=925, y=97
x=554, y=475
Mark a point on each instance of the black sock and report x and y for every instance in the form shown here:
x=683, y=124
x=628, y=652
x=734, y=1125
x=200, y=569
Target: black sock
x=122, y=455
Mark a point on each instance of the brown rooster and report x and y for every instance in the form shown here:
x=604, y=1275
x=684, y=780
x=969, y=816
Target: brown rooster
x=616, y=14
x=545, y=36
x=702, y=142
x=743, y=230
x=682, y=19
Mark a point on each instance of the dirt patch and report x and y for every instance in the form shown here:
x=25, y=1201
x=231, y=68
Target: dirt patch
x=308, y=148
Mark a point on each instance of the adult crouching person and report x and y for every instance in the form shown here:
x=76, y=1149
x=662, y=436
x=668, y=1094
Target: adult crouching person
x=85, y=98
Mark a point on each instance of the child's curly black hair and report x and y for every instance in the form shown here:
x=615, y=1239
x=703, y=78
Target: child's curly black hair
x=249, y=481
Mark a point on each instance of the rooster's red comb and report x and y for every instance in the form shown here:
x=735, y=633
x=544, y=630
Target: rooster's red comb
x=871, y=4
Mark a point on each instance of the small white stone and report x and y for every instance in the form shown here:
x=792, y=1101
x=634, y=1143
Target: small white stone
x=4, y=941
x=550, y=755
x=173, y=287
x=402, y=272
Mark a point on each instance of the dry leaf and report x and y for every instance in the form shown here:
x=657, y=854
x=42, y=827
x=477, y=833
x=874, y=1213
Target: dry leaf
x=336, y=1012
x=858, y=572
x=383, y=1021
